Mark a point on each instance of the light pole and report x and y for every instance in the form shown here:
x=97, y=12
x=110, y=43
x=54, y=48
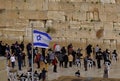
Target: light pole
x=32, y=50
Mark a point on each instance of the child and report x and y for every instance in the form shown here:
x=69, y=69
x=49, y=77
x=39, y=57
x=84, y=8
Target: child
x=44, y=74
x=77, y=73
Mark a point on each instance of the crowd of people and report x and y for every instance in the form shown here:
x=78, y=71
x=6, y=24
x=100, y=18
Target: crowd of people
x=62, y=56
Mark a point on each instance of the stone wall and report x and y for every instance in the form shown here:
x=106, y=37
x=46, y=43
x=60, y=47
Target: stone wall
x=78, y=21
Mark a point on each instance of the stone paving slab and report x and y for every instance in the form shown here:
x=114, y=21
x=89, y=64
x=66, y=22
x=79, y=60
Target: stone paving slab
x=71, y=78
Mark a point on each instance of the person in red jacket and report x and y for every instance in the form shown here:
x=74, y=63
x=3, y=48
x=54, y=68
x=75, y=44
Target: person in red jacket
x=37, y=59
x=54, y=62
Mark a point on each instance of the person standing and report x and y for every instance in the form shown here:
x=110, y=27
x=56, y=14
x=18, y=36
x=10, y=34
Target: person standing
x=37, y=59
x=63, y=50
x=65, y=59
x=8, y=58
x=30, y=58
x=60, y=58
x=70, y=48
x=89, y=50
x=44, y=74
x=23, y=58
x=95, y=50
x=114, y=55
x=70, y=59
x=85, y=62
x=12, y=59
x=51, y=56
x=22, y=46
x=19, y=58
x=57, y=49
x=43, y=53
x=55, y=61
x=99, y=58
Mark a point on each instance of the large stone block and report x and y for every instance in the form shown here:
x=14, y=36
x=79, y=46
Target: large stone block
x=93, y=1
x=118, y=17
x=118, y=1
x=24, y=5
x=33, y=14
x=11, y=14
x=54, y=6
x=54, y=0
x=108, y=24
x=76, y=0
x=8, y=4
x=111, y=8
x=84, y=7
x=56, y=15
x=107, y=1
x=67, y=6
x=79, y=16
x=111, y=17
x=103, y=16
x=2, y=4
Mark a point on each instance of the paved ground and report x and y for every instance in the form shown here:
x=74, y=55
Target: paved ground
x=93, y=72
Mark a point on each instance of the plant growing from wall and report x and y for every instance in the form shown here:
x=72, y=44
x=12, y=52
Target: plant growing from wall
x=90, y=29
x=80, y=28
x=24, y=0
x=50, y=30
x=99, y=33
x=2, y=10
x=92, y=20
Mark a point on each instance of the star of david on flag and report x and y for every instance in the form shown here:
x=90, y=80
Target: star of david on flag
x=41, y=39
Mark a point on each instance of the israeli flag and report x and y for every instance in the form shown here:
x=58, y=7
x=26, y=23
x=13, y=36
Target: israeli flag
x=41, y=39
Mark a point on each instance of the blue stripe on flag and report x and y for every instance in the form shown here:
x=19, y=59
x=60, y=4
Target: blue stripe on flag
x=43, y=33
x=40, y=44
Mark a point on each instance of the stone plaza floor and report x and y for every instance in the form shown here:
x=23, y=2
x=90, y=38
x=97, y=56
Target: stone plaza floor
x=70, y=71
x=92, y=72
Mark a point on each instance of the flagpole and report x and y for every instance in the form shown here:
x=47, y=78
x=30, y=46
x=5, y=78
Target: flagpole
x=32, y=51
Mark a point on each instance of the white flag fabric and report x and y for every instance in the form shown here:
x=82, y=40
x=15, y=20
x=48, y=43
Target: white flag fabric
x=41, y=39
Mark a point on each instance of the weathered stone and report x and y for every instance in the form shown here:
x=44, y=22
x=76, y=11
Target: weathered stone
x=56, y=15
x=71, y=19
x=54, y=6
